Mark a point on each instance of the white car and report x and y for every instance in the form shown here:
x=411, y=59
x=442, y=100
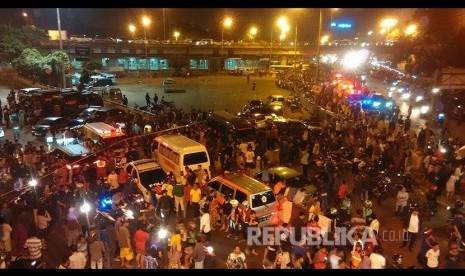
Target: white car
x=147, y=172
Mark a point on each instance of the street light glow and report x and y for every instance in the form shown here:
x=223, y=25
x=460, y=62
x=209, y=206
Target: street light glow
x=354, y=59
x=411, y=29
x=383, y=31
x=145, y=21
x=285, y=28
x=282, y=36
x=176, y=35
x=132, y=28
x=33, y=183
x=324, y=39
x=388, y=23
x=227, y=22
x=25, y=14
x=435, y=90
x=85, y=208
x=253, y=31
x=370, y=32
x=162, y=233
x=282, y=21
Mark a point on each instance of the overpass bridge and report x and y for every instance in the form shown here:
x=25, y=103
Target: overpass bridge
x=134, y=55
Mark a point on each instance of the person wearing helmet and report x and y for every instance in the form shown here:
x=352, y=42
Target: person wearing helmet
x=396, y=262
x=367, y=210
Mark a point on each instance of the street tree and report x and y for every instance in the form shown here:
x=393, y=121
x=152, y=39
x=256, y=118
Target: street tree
x=14, y=40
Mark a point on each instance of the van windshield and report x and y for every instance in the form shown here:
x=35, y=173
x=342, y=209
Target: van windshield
x=195, y=158
x=262, y=199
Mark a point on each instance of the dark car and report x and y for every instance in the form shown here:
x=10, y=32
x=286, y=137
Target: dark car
x=294, y=178
x=276, y=108
x=225, y=122
x=74, y=156
x=103, y=114
x=54, y=124
x=75, y=123
x=292, y=127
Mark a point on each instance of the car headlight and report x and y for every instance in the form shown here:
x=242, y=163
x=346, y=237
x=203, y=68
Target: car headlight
x=388, y=104
x=406, y=96
x=424, y=109
x=376, y=104
x=419, y=98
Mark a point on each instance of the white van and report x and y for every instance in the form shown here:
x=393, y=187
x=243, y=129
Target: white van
x=176, y=151
x=169, y=84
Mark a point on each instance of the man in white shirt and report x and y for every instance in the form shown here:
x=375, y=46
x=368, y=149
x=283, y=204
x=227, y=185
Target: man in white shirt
x=77, y=260
x=411, y=225
x=205, y=223
x=377, y=260
x=432, y=256
x=335, y=258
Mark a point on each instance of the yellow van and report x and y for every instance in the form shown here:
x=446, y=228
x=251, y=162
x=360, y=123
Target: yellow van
x=243, y=188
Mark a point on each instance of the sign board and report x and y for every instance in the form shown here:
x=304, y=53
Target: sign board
x=82, y=52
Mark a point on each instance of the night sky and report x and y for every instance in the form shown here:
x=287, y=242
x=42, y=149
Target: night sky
x=205, y=22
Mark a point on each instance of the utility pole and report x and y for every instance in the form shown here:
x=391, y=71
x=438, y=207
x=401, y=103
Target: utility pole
x=318, y=49
x=164, y=29
x=61, y=47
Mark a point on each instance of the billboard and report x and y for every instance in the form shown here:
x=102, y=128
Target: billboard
x=55, y=35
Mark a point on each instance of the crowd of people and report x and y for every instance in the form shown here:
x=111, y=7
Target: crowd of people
x=381, y=142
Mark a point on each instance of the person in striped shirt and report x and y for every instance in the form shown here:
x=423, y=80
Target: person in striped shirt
x=33, y=246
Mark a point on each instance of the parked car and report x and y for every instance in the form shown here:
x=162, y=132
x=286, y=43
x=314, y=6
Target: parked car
x=112, y=114
x=148, y=173
x=54, y=124
x=294, y=178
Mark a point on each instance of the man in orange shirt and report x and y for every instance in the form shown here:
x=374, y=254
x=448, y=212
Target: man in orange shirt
x=278, y=187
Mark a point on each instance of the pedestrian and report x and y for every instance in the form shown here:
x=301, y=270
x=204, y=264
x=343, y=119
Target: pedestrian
x=432, y=256
x=147, y=99
x=77, y=260
x=125, y=100
x=248, y=78
x=198, y=254
x=236, y=259
x=205, y=224
x=411, y=226
x=254, y=84
x=401, y=202
x=124, y=241
x=155, y=98
x=5, y=236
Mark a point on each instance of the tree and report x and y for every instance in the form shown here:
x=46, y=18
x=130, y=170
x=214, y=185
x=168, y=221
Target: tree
x=13, y=40
x=30, y=63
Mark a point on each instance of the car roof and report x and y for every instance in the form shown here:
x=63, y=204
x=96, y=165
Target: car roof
x=284, y=172
x=75, y=150
x=145, y=165
x=243, y=183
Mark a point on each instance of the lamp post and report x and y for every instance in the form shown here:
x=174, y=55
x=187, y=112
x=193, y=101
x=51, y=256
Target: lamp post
x=61, y=47
x=146, y=23
x=227, y=23
x=318, y=48
x=388, y=23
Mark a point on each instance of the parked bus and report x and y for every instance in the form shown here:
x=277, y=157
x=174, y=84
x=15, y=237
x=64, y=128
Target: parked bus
x=176, y=151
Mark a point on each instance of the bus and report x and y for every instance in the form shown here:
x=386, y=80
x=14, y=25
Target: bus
x=176, y=151
x=278, y=68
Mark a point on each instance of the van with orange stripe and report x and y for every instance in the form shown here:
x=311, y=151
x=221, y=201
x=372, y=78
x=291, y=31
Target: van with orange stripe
x=243, y=188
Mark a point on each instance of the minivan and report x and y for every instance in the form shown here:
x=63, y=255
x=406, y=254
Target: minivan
x=242, y=188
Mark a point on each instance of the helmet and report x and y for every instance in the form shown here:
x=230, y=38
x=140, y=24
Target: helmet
x=397, y=258
x=368, y=203
x=333, y=211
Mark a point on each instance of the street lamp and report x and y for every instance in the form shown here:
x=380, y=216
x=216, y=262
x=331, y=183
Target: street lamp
x=146, y=22
x=253, y=32
x=388, y=23
x=176, y=35
x=61, y=47
x=411, y=30
x=227, y=23
x=132, y=29
x=324, y=39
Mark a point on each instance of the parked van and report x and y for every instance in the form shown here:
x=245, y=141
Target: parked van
x=176, y=151
x=260, y=197
x=169, y=84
